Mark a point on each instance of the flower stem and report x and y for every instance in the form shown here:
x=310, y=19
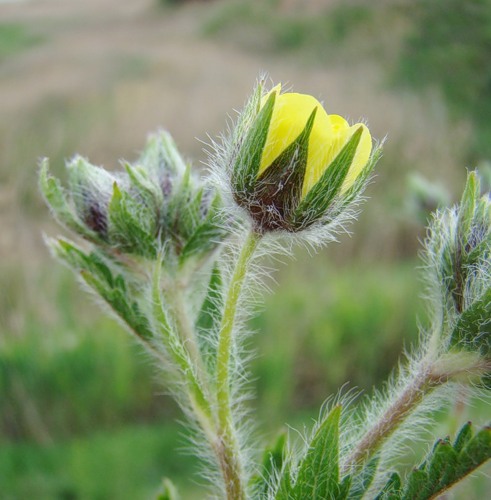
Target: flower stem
x=228, y=448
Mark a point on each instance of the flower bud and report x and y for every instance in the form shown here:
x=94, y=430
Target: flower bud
x=458, y=251
x=296, y=165
x=91, y=188
x=153, y=204
x=162, y=161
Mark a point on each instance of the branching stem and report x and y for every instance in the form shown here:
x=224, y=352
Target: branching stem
x=227, y=446
x=186, y=331
x=420, y=386
x=181, y=357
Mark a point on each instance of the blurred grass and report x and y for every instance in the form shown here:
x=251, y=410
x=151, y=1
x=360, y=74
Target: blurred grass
x=128, y=463
x=449, y=48
x=71, y=369
x=314, y=33
x=15, y=38
x=327, y=325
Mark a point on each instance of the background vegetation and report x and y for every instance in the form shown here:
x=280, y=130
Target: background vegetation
x=81, y=415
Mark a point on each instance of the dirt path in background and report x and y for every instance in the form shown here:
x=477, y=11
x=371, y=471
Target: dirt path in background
x=129, y=67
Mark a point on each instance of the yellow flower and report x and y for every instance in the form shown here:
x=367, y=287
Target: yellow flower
x=328, y=136
x=294, y=166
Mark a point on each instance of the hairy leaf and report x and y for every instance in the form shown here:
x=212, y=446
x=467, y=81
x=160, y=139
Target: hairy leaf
x=272, y=463
x=318, y=474
x=362, y=480
x=446, y=465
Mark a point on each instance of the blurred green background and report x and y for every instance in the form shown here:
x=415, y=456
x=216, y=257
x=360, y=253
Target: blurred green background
x=82, y=415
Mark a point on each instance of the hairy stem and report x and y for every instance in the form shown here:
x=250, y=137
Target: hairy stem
x=182, y=359
x=177, y=299
x=420, y=386
x=227, y=446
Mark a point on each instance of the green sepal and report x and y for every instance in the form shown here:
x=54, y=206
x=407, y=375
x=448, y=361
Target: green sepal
x=132, y=226
x=467, y=206
x=90, y=188
x=56, y=199
x=168, y=491
x=208, y=232
x=363, y=177
x=318, y=474
x=248, y=114
x=161, y=159
x=144, y=188
x=317, y=201
x=248, y=161
x=176, y=220
x=279, y=188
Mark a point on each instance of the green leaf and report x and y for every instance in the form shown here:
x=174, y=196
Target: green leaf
x=442, y=466
x=284, y=489
x=416, y=485
x=362, y=480
x=209, y=314
x=446, y=465
x=392, y=489
x=246, y=167
x=99, y=276
x=463, y=437
x=316, y=202
x=473, y=328
x=121, y=303
x=272, y=463
x=318, y=474
x=475, y=452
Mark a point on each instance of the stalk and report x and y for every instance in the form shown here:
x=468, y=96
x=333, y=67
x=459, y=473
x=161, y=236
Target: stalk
x=431, y=374
x=183, y=360
x=418, y=388
x=177, y=299
x=227, y=447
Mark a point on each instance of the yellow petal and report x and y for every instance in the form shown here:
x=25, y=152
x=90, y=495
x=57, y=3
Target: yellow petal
x=331, y=139
x=290, y=115
x=361, y=157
